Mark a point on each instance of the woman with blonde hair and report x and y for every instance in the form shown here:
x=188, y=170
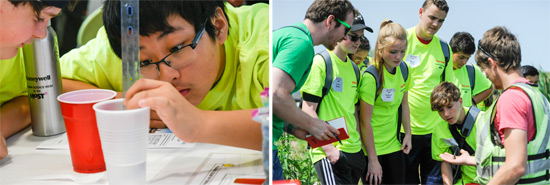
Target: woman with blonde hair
x=383, y=93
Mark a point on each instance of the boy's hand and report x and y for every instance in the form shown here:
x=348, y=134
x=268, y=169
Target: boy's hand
x=333, y=154
x=184, y=119
x=374, y=173
x=407, y=144
x=463, y=159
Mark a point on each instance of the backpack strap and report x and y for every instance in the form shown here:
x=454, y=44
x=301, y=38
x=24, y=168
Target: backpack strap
x=374, y=72
x=405, y=74
x=328, y=70
x=357, y=73
x=294, y=26
x=467, y=127
x=404, y=70
x=472, y=77
x=470, y=121
x=446, y=53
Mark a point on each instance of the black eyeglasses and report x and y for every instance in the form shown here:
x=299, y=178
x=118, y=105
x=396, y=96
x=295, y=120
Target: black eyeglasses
x=354, y=38
x=483, y=50
x=147, y=70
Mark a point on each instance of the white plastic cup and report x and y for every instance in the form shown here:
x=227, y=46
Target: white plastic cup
x=123, y=135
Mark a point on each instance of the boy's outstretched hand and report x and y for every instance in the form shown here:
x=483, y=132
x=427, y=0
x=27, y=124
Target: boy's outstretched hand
x=463, y=159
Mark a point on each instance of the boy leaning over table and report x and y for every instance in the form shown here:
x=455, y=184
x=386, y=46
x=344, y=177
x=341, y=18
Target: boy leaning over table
x=21, y=21
x=204, y=65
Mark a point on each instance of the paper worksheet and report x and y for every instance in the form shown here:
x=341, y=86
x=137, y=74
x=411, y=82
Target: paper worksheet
x=225, y=169
x=158, y=139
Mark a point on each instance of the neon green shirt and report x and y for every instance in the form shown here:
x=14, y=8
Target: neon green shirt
x=339, y=102
x=463, y=82
x=293, y=53
x=426, y=67
x=13, y=81
x=384, y=115
x=441, y=131
x=245, y=76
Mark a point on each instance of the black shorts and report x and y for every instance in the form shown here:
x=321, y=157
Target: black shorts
x=347, y=170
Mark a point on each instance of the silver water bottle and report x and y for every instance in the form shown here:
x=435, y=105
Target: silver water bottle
x=44, y=84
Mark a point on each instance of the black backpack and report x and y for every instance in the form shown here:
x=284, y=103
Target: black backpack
x=472, y=77
x=405, y=73
x=446, y=54
x=460, y=138
x=329, y=75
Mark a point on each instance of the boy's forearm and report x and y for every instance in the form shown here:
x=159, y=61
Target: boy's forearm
x=446, y=173
x=14, y=116
x=483, y=95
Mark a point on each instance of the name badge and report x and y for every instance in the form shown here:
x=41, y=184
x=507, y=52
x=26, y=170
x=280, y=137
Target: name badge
x=414, y=61
x=338, y=84
x=387, y=95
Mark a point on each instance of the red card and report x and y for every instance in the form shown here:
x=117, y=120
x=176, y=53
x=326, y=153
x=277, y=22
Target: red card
x=314, y=143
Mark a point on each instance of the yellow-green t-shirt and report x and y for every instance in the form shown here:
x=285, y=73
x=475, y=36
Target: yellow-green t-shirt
x=339, y=102
x=441, y=131
x=245, y=76
x=384, y=115
x=463, y=83
x=426, y=63
x=13, y=81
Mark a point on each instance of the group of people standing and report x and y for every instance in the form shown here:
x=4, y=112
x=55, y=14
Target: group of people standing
x=416, y=113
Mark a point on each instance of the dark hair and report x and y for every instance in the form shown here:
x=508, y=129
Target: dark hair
x=153, y=17
x=365, y=45
x=528, y=70
x=320, y=9
x=444, y=95
x=37, y=6
x=463, y=42
x=502, y=45
x=440, y=4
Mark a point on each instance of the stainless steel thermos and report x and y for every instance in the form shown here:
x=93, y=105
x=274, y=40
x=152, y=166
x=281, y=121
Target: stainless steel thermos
x=44, y=84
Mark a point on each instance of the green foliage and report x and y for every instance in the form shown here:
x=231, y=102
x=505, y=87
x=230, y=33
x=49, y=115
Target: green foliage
x=294, y=157
x=544, y=83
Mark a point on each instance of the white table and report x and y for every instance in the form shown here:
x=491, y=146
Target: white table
x=26, y=165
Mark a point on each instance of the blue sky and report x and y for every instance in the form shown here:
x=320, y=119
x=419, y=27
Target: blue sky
x=529, y=20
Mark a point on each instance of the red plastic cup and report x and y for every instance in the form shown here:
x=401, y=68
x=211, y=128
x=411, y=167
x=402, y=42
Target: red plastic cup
x=81, y=125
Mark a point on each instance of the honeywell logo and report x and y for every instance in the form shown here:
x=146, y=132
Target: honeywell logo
x=36, y=79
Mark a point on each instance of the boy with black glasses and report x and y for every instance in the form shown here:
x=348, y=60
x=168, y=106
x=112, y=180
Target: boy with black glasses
x=204, y=66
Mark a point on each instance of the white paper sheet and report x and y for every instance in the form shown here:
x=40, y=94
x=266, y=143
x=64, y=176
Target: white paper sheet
x=159, y=139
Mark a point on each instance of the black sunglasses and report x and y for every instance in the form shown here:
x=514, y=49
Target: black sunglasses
x=354, y=38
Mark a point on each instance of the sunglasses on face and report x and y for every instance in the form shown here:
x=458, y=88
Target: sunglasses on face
x=347, y=27
x=355, y=38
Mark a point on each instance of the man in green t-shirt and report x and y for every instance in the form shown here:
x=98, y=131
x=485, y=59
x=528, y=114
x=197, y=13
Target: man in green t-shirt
x=326, y=22
x=21, y=21
x=447, y=101
x=463, y=46
x=337, y=163
x=204, y=65
x=428, y=67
